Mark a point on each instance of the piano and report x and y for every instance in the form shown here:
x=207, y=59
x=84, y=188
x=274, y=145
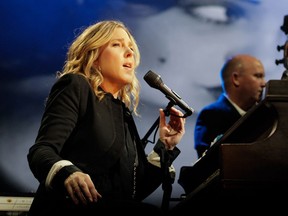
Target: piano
x=247, y=168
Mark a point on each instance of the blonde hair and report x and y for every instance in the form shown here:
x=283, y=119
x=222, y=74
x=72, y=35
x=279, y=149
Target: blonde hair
x=85, y=49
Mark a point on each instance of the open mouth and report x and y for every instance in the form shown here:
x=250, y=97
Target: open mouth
x=127, y=65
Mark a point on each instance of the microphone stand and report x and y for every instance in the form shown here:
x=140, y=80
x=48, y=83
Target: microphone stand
x=156, y=124
x=167, y=179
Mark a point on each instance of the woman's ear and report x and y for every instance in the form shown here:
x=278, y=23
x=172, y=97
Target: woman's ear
x=97, y=65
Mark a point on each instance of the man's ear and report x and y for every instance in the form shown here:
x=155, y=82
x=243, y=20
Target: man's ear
x=235, y=78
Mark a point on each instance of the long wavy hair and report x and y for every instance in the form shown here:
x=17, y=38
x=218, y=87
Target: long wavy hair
x=85, y=49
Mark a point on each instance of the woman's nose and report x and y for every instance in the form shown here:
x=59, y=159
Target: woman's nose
x=128, y=52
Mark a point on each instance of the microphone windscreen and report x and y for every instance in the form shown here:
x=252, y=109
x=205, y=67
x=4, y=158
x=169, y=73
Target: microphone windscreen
x=153, y=79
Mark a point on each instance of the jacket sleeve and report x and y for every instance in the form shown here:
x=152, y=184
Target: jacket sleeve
x=166, y=156
x=58, y=121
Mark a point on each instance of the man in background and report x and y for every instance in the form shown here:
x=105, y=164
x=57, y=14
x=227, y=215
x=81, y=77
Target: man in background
x=242, y=80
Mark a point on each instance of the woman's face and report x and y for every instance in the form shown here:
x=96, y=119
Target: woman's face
x=116, y=62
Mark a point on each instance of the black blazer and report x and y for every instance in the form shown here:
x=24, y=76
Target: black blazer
x=76, y=126
x=213, y=120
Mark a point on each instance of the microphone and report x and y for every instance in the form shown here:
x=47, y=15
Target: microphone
x=154, y=80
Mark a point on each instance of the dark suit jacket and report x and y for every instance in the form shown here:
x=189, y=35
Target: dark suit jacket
x=76, y=126
x=213, y=120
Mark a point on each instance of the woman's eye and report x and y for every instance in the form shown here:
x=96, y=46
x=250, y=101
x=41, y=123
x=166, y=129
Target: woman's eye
x=219, y=13
x=115, y=44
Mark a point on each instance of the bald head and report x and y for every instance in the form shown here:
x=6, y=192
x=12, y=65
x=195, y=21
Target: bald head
x=239, y=63
x=243, y=80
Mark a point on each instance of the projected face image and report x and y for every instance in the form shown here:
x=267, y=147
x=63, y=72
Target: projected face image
x=188, y=46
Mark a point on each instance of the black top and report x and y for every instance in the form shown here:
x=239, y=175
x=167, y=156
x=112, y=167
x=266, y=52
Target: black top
x=99, y=138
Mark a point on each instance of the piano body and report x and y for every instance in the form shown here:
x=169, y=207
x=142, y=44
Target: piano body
x=248, y=166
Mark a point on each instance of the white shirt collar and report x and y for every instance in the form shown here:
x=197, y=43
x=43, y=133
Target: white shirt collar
x=240, y=111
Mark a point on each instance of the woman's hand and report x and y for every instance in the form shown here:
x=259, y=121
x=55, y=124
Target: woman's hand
x=171, y=134
x=81, y=188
